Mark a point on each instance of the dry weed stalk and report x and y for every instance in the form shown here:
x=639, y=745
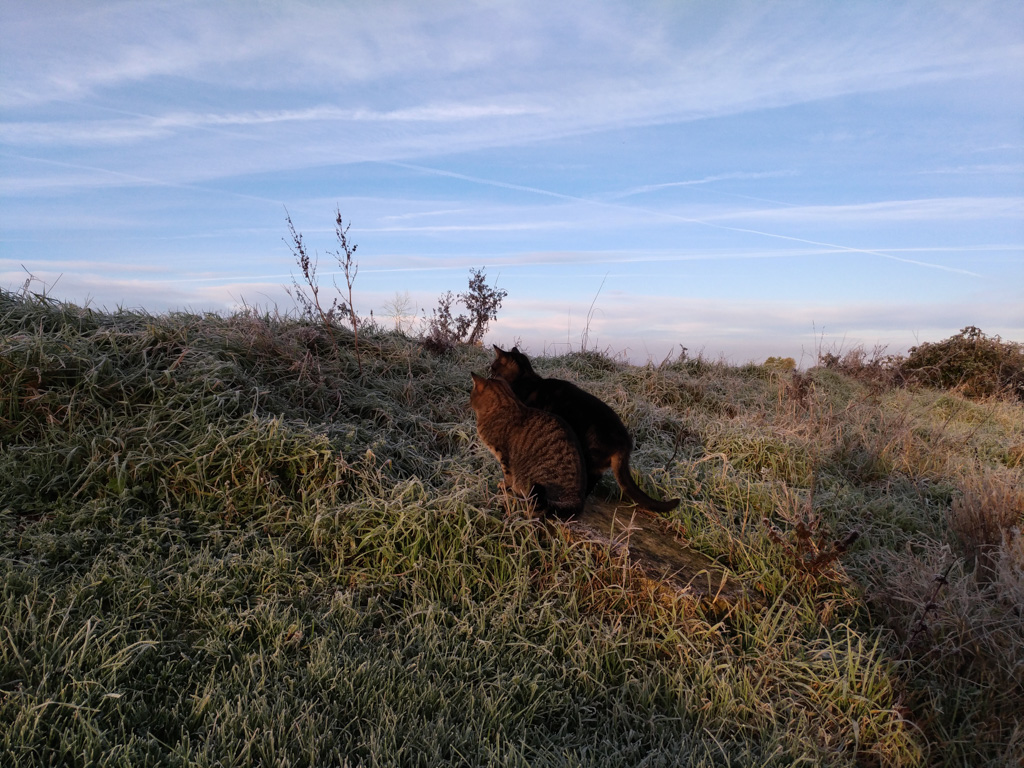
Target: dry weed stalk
x=351, y=269
x=920, y=626
x=309, y=303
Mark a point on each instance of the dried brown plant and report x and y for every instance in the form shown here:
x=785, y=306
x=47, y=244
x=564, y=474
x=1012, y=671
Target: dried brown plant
x=810, y=550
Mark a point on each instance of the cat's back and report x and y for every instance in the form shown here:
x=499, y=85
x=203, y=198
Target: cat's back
x=583, y=411
x=504, y=418
x=548, y=460
x=544, y=434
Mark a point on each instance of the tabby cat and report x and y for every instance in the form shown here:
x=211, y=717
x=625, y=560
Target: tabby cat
x=537, y=451
x=601, y=433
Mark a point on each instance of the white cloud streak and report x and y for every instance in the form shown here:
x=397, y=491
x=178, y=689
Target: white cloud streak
x=143, y=127
x=704, y=221
x=931, y=209
x=738, y=175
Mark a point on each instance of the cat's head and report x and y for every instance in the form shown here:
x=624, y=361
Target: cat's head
x=510, y=365
x=487, y=392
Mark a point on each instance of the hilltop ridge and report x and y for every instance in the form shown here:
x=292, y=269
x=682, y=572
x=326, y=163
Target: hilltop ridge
x=221, y=542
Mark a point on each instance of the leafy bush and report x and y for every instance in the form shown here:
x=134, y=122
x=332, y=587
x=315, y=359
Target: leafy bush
x=971, y=362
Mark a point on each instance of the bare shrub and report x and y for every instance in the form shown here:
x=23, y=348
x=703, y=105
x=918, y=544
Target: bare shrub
x=402, y=312
x=483, y=302
x=444, y=331
x=875, y=367
x=307, y=294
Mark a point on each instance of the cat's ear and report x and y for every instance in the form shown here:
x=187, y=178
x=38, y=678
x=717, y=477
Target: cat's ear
x=478, y=382
x=499, y=351
x=515, y=350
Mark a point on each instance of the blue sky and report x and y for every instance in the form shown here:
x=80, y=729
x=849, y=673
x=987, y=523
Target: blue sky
x=743, y=178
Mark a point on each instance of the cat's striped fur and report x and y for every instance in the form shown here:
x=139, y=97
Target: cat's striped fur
x=538, y=452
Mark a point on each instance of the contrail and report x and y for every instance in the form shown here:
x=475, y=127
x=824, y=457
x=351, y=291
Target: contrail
x=140, y=179
x=709, y=180
x=674, y=216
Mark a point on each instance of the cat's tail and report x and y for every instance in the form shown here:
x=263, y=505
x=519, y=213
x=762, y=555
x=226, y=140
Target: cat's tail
x=620, y=468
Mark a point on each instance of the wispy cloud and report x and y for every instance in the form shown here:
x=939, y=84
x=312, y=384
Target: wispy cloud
x=140, y=127
x=709, y=221
x=734, y=176
x=986, y=169
x=930, y=209
x=425, y=214
x=10, y=267
x=97, y=177
x=736, y=67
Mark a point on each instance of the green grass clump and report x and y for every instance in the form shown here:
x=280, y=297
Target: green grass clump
x=227, y=541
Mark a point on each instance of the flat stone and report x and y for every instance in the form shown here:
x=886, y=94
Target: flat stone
x=657, y=551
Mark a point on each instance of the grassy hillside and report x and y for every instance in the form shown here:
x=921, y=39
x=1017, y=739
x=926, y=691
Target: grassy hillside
x=221, y=545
